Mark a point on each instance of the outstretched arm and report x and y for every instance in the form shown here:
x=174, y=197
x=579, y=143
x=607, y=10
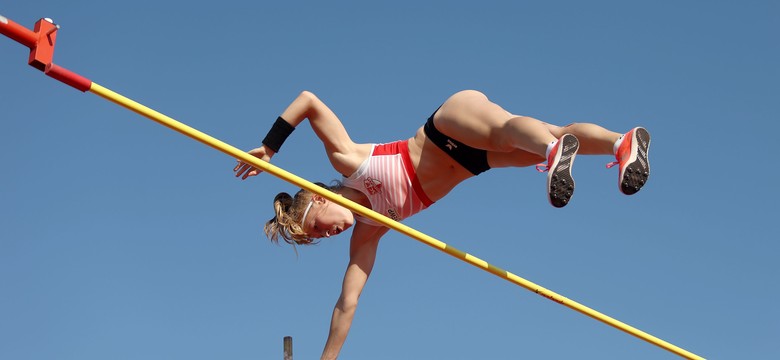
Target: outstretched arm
x=344, y=154
x=363, y=246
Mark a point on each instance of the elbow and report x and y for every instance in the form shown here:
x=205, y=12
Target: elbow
x=310, y=103
x=347, y=304
x=308, y=96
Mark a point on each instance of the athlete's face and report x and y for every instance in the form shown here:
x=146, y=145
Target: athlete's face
x=326, y=219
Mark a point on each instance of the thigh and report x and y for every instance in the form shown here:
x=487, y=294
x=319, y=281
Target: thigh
x=516, y=158
x=470, y=117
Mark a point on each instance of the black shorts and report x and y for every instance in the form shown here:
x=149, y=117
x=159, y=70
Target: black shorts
x=474, y=160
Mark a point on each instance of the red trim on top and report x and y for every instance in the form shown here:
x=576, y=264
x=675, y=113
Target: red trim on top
x=402, y=147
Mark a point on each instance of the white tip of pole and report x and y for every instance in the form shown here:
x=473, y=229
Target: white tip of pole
x=3, y=20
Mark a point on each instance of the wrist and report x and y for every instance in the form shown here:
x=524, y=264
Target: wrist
x=277, y=135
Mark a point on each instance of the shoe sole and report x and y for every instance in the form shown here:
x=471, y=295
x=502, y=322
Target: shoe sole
x=560, y=183
x=635, y=174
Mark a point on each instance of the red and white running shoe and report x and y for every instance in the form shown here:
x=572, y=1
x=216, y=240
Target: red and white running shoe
x=633, y=161
x=560, y=183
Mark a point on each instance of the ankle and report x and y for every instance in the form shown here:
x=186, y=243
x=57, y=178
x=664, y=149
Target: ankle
x=618, y=142
x=550, y=147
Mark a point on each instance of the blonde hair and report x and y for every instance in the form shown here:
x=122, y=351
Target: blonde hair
x=287, y=221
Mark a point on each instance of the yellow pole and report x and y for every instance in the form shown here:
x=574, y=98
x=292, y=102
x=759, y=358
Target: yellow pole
x=406, y=230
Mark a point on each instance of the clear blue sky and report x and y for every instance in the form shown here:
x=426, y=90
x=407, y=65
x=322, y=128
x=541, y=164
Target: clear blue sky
x=121, y=239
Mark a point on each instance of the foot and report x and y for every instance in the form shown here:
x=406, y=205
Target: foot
x=633, y=161
x=560, y=183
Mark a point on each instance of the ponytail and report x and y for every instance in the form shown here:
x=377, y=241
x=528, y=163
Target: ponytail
x=288, y=213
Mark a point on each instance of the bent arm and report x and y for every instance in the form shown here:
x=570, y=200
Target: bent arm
x=344, y=154
x=363, y=247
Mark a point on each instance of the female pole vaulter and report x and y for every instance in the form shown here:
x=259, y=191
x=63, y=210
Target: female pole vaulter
x=466, y=136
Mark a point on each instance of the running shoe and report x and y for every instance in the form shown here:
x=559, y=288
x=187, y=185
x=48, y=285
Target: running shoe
x=560, y=183
x=633, y=161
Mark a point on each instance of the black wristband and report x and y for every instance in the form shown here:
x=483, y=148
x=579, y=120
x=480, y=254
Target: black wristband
x=278, y=134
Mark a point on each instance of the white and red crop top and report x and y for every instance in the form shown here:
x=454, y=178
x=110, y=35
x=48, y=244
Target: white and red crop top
x=388, y=179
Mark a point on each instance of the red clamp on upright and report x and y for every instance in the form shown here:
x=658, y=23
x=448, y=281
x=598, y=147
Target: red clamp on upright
x=42, y=54
x=41, y=42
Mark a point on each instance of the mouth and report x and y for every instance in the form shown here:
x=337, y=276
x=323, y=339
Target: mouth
x=336, y=230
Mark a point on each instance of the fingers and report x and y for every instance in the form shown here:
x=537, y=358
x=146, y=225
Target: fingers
x=239, y=169
x=244, y=170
